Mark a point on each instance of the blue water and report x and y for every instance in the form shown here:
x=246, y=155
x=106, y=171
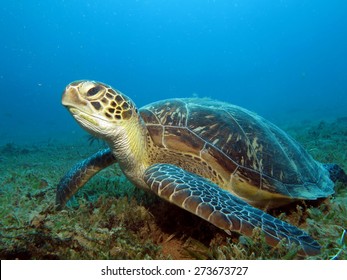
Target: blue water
x=282, y=59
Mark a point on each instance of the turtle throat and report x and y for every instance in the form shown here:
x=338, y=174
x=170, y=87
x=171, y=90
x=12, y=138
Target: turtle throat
x=129, y=146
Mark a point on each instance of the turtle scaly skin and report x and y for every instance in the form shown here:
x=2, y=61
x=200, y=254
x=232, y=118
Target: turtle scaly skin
x=222, y=209
x=213, y=159
x=81, y=173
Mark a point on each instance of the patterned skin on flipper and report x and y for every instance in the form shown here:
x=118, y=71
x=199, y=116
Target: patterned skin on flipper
x=80, y=174
x=336, y=173
x=208, y=201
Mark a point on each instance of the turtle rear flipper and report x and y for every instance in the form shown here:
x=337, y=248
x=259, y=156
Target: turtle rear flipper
x=80, y=174
x=336, y=173
x=224, y=210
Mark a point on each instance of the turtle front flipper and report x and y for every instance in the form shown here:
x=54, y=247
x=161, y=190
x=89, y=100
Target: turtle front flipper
x=222, y=209
x=80, y=174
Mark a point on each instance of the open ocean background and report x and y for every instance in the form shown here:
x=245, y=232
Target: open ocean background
x=286, y=60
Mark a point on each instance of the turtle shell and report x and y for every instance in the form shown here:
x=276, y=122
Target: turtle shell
x=249, y=156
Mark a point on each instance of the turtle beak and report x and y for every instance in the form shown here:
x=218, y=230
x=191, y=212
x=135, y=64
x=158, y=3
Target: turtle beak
x=71, y=97
x=79, y=107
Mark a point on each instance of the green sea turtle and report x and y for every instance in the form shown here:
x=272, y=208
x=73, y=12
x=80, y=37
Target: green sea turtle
x=213, y=159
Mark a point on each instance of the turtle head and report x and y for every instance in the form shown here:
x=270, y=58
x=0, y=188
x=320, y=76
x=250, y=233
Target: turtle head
x=101, y=110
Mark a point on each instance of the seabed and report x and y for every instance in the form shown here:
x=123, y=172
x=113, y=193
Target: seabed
x=111, y=219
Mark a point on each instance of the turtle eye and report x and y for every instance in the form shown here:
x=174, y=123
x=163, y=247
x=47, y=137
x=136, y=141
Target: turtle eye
x=93, y=91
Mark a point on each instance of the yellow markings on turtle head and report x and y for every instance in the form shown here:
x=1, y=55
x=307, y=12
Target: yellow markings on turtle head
x=110, y=103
